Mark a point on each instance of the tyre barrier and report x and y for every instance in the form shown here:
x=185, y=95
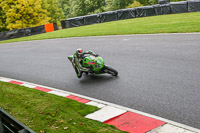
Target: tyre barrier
x=9, y=124
x=28, y=31
x=164, y=7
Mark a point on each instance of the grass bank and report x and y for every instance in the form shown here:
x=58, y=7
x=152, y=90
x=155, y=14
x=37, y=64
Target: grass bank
x=47, y=113
x=173, y=23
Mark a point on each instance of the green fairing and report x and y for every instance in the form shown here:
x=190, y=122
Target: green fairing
x=96, y=62
x=70, y=57
x=88, y=61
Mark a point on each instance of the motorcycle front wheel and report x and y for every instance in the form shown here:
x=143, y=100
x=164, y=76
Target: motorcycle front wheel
x=110, y=70
x=79, y=75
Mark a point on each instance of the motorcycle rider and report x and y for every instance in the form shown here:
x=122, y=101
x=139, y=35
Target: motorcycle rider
x=77, y=60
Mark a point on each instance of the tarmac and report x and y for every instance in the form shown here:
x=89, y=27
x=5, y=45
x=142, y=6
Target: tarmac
x=123, y=118
x=158, y=73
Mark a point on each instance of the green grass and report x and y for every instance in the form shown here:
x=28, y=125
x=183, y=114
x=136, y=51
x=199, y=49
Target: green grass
x=173, y=23
x=47, y=113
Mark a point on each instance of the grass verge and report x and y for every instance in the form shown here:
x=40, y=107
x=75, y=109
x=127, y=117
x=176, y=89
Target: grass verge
x=47, y=113
x=173, y=23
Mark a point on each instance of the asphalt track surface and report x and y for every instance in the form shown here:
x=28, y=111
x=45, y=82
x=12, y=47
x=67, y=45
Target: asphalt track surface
x=158, y=74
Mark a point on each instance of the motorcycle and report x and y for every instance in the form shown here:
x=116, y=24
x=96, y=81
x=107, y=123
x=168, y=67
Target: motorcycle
x=96, y=64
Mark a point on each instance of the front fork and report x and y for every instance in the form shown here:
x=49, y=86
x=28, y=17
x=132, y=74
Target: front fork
x=78, y=73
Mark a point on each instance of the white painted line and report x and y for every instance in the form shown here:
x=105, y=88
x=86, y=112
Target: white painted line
x=59, y=93
x=28, y=85
x=168, y=128
x=105, y=113
x=130, y=35
x=5, y=80
x=99, y=105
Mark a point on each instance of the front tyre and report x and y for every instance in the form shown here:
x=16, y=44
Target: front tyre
x=79, y=75
x=110, y=70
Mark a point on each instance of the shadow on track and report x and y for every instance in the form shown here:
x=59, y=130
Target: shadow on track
x=95, y=79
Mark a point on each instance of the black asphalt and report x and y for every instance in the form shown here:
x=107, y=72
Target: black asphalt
x=158, y=74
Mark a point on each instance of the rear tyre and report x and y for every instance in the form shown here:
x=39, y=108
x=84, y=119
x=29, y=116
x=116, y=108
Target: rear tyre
x=86, y=73
x=110, y=70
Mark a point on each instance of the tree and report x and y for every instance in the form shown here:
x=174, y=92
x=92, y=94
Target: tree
x=23, y=13
x=53, y=10
x=146, y=2
x=73, y=8
x=153, y=2
x=107, y=7
x=120, y=4
x=135, y=4
x=92, y=5
x=111, y=5
x=2, y=21
x=177, y=0
x=65, y=5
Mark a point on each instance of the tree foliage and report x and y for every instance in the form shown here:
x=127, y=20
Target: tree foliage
x=176, y=0
x=22, y=13
x=53, y=10
x=119, y=4
x=135, y=4
x=2, y=20
x=116, y=4
x=73, y=8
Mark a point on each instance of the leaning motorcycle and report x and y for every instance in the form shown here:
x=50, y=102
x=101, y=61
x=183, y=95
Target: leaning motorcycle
x=96, y=63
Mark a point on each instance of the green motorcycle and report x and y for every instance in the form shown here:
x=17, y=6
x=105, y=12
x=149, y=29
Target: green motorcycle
x=96, y=65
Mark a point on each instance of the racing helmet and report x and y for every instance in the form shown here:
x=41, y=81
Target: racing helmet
x=79, y=52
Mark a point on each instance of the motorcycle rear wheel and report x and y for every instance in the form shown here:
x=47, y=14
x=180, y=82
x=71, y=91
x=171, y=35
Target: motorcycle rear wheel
x=110, y=70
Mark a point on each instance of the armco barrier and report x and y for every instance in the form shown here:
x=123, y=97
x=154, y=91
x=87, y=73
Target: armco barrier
x=126, y=13
x=108, y=16
x=28, y=31
x=22, y=32
x=64, y=24
x=179, y=7
x=2, y=36
x=91, y=19
x=145, y=11
x=193, y=5
x=75, y=22
x=9, y=124
x=164, y=7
